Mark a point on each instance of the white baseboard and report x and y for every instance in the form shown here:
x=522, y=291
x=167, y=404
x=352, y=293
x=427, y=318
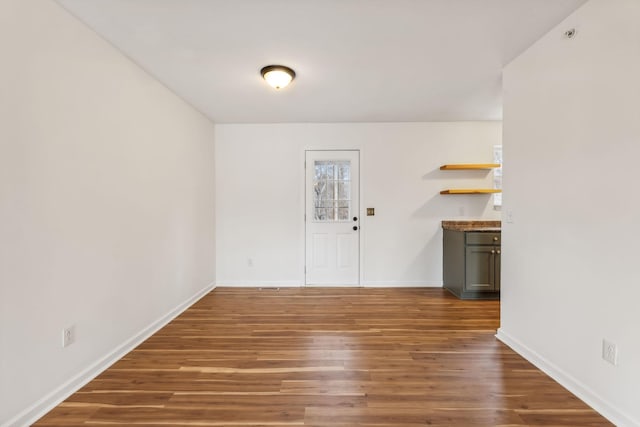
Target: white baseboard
x=296, y=283
x=583, y=392
x=53, y=399
x=259, y=283
x=400, y=284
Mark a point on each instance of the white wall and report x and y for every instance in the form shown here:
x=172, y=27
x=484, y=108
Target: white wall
x=570, y=259
x=260, y=189
x=106, y=202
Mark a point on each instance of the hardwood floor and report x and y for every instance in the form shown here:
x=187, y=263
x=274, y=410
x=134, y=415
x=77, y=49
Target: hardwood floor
x=339, y=357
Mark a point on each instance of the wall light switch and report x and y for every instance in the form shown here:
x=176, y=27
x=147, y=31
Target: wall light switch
x=371, y=211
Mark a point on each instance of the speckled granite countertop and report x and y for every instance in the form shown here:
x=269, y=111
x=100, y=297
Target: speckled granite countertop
x=472, y=225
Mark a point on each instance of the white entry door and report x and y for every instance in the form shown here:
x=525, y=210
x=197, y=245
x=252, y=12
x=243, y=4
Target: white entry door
x=332, y=220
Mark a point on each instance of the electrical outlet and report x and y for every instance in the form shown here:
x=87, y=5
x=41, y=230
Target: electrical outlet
x=509, y=216
x=250, y=262
x=610, y=352
x=68, y=336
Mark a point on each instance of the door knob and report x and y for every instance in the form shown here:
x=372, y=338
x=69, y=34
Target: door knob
x=355, y=228
x=355, y=218
x=493, y=252
x=498, y=251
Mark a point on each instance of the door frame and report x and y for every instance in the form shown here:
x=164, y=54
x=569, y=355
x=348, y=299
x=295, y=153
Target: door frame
x=303, y=206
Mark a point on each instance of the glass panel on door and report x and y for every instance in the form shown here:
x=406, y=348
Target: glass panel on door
x=331, y=190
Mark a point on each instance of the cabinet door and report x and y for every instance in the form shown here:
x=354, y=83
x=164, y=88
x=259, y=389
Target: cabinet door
x=480, y=268
x=496, y=271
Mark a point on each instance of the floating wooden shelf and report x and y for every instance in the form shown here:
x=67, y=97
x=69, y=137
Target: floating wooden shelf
x=470, y=166
x=471, y=191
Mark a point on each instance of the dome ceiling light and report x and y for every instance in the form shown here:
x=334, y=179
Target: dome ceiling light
x=278, y=76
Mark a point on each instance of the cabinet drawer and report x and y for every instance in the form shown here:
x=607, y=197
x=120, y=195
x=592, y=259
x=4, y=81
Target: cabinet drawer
x=479, y=238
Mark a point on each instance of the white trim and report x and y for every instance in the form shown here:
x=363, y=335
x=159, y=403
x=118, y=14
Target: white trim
x=297, y=284
x=259, y=283
x=330, y=285
x=583, y=392
x=302, y=253
x=400, y=284
x=362, y=213
x=53, y=399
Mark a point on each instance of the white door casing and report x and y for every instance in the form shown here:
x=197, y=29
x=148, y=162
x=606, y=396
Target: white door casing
x=332, y=217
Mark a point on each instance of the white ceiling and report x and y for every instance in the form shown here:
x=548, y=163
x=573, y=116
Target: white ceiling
x=356, y=60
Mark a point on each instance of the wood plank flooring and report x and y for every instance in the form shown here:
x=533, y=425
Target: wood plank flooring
x=338, y=357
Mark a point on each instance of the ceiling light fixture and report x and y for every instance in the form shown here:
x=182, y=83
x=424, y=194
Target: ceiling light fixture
x=278, y=76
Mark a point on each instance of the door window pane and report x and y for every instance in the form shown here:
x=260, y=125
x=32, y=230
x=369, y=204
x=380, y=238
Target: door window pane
x=344, y=171
x=343, y=190
x=320, y=214
x=330, y=170
x=331, y=190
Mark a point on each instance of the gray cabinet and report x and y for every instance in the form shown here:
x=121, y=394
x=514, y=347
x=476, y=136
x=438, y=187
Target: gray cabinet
x=471, y=263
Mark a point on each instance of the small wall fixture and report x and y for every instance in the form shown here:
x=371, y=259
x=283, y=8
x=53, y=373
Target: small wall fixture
x=278, y=76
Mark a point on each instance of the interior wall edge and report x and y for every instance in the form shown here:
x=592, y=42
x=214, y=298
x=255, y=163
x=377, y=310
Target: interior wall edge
x=584, y=393
x=36, y=411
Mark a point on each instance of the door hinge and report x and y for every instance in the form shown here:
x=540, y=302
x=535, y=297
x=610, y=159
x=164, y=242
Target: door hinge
x=305, y=217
